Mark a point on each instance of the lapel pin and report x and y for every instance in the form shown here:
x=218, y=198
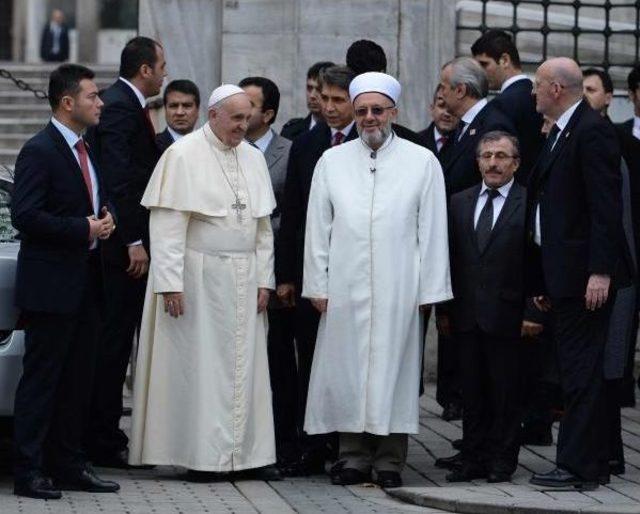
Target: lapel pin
x=472, y=132
x=567, y=136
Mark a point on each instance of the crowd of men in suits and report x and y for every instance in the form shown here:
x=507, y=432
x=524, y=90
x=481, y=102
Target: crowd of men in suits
x=543, y=269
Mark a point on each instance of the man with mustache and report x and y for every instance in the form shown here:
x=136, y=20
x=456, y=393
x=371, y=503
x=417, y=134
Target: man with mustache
x=376, y=253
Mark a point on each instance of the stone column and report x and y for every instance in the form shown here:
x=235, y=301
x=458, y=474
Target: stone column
x=190, y=32
x=35, y=16
x=87, y=25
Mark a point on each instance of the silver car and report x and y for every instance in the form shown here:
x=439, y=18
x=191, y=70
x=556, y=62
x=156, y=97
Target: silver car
x=11, y=340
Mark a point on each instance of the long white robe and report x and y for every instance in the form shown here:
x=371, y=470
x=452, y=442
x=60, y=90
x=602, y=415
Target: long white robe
x=202, y=397
x=376, y=246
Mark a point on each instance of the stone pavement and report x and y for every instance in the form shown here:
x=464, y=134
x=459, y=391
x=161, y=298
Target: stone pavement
x=163, y=490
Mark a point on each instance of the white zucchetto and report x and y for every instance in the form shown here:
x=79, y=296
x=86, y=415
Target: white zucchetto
x=222, y=92
x=375, y=82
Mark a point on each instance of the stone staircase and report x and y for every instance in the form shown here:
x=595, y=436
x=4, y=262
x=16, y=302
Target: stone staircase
x=21, y=113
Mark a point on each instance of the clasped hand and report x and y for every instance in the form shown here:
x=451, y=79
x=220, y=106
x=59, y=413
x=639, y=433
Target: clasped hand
x=101, y=228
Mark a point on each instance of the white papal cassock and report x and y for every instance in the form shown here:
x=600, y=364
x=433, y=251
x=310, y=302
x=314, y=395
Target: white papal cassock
x=202, y=397
x=376, y=246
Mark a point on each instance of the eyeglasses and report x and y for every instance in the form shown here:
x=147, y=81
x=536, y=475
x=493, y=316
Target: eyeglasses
x=361, y=112
x=499, y=156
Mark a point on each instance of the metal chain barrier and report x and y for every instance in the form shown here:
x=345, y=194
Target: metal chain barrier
x=22, y=85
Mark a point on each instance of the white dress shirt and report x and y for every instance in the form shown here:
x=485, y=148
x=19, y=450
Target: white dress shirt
x=636, y=127
x=498, y=201
x=263, y=142
x=345, y=131
x=175, y=135
x=513, y=79
x=470, y=115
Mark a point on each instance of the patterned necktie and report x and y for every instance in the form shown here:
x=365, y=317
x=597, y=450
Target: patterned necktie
x=84, y=167
x=337, y=138
x=485, y=220
x=442, y=140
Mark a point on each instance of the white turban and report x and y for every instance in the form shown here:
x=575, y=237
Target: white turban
x=375, y=82
x=222, y=92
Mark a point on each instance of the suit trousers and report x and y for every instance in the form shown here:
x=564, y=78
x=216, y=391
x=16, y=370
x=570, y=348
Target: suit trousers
x=124, y=301
x=52, y=401
x=491, y=402
x=615, y=449
x=580, y=340
x=284, y=381
x=448, y=382
x=362, y=451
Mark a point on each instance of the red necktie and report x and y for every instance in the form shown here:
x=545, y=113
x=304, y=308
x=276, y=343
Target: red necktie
x=442, y=140
x=84, y=166
x=337, y=138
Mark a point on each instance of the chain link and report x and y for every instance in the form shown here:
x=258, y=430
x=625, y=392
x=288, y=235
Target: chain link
x=21, y=84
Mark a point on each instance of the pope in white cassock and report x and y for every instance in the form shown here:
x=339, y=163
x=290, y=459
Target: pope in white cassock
x=376, y=251
x=202, y=398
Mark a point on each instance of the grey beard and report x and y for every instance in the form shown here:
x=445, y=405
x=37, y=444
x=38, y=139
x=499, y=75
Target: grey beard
x=375, y=139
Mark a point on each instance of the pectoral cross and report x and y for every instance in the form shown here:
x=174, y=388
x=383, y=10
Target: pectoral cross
x=238, y=206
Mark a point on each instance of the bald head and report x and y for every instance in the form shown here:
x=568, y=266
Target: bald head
x=558, y=85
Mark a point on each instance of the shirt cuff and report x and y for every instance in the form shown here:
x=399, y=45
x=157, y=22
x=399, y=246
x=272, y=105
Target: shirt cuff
x=135, y=243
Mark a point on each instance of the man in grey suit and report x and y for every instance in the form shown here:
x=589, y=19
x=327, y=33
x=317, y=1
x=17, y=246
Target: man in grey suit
x=265, y=100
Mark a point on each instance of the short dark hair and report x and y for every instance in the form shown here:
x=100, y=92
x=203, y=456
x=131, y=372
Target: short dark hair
x=605, y=78
x=497, y=135
x=338, y=75
x=65, y=80
x=270, y=93
x=366, y=55
x=182, y=86
x=633, y=79
x=494, y=43
x=316, y=69
x=138, y=51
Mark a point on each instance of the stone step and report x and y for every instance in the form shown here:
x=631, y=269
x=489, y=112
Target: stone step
x=12, y=95
x=14, y=141
x=23, y=111
x=8, y=156
x=42, y=71
x=21, y=125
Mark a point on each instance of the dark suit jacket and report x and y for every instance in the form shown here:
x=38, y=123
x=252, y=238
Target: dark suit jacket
x=427, y=139
x=630, y=147
x=305, y=152
x=405, y=133
x=49, y=208
x=164, y=140
x=460, y=165
x=127, y=154
x=46, y=44
x=579, y=192
x=488, y=287
x=519, y=106
x=295, y=127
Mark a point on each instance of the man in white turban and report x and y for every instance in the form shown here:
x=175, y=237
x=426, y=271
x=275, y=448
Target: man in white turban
x=376, y=252
x=202, y=398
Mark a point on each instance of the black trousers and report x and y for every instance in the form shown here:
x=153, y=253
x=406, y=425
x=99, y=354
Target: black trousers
x=491, y=403
x=580, y=339
x=283, y=373
x=52, y=401
x=448, y=382
x=124, y=300
x=615, y=449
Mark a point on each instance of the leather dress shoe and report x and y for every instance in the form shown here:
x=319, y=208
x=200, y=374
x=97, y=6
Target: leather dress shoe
x=453, y=462
x=86, y=480
x=456, y=444
x=38, y=487
x=562, y=478
x=616, y=467
x=204, y=477
x=495, y=477
x=265, y=473
x=452, y=412
x=388, y=479
x=350, y=476
x=466, y=473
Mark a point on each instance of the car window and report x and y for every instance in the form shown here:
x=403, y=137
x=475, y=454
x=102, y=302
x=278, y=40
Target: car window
x=7, y=232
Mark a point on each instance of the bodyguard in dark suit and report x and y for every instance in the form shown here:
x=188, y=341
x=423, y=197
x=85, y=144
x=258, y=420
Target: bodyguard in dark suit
x=54, y=42
x=297, y=126
x=464, y=88
x=438, y=136
x=181, y=101
x=305, y=152
x=59, y=209
x=487, y=245
x=497, y=54
x=575, y=222
x=127, y=154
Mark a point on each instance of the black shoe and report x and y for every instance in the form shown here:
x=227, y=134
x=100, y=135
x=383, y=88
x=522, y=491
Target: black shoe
x=616, y=467
x=38, y=487
x=536, y=438
x=87, y=481
x=562, y=478
x=453, y=462
x=265, y=473
x=388, y=479
x=311, y=463
x=466, y=473
x=452, y=412
x=456, y=444
x=604, y=479
x=350, y=476
x=204, y=477
x=495, y=477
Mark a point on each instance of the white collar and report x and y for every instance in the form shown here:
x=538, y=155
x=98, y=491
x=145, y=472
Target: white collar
x=436, y=133
x=69, y=135
x=345, y=131
x=263, y=142
x=636, y=121
x=138, y=93
x=175, y=135
x=503, y=189
x=566, y=116
x=470, y=115
x=515, y=78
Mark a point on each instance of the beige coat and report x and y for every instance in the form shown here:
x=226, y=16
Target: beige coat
x=202, y=397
